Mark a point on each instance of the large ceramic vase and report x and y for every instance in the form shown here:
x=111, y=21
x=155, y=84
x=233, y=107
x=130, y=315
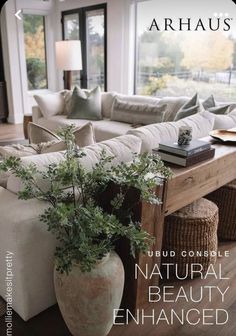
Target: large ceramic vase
x=87, y=300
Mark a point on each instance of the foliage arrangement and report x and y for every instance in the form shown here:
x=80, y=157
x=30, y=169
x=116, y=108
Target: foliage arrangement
x=84, y=230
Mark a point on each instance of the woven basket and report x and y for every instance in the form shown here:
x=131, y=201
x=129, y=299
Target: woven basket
x=225, y=198
x=191, y=229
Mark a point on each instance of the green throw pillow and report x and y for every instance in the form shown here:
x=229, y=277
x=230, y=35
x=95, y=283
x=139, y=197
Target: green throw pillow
x=85, y=105
x=219, y=109
x=191, y=107
x=209, y=103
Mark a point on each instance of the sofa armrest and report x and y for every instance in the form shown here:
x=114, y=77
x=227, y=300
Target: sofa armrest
x=36, y=114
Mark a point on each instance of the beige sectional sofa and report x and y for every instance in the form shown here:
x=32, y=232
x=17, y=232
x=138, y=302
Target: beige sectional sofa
x=24, y=235
x=108, y=128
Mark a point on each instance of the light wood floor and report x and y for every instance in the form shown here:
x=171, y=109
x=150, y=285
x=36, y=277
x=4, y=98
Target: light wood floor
x=11, y=132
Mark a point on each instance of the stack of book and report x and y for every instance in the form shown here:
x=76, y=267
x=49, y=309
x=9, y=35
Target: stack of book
x=185, y=156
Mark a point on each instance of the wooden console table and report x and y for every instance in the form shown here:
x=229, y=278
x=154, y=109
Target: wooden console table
x=186, y=186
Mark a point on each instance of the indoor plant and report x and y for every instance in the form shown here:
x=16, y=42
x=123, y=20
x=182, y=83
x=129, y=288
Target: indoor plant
x=87, y=231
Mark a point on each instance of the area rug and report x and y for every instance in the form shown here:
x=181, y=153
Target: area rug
x=2, y=307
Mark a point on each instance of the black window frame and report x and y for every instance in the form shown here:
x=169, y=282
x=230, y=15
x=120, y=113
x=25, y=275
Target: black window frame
x=83, y=38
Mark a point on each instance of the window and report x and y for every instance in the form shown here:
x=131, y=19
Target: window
x=176, y=63
x=35, y=51
x=89, y=25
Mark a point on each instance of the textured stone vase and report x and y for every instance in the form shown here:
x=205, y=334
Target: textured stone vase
x=87, y=300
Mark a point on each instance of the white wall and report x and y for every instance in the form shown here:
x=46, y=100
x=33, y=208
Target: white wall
x=20, y=101
x=120, y=50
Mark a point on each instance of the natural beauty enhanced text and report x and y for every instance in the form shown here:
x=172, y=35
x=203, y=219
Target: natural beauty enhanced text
x=187, y=297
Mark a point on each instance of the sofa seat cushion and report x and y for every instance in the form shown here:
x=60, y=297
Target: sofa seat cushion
x=151, y=135
x=104, y=129
x=107, y=129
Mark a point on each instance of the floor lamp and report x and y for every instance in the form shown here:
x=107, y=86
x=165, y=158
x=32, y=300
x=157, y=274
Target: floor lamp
x=68, y=58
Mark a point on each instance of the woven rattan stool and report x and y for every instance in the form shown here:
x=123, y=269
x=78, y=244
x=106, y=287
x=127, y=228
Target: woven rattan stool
x=187, y=232
x=225, y=198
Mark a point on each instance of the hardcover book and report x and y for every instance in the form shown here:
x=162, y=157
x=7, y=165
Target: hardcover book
x=195, y=146
x=189, y=160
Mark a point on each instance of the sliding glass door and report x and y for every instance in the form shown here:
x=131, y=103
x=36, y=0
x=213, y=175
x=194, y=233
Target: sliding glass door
x=89, y=25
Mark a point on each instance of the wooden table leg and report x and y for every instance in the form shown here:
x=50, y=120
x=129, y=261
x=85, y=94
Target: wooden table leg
x=154, y=226
x=136, y=289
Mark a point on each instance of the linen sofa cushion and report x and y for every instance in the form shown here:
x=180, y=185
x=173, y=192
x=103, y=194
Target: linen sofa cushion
x=189, y=108
x=107, y=101
x=104, y=129
x=50, y=104
x=38, y=134
x=225, y=121
x=107, y=129
x=57, y=122
x=66, y=94
x=134, y=113
x=84, y=136
x=151, y=135
x=33, y=246
x=17, y=151
x=85, y=105
x=122, y=148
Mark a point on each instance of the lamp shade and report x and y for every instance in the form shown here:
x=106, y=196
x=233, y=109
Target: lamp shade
x=68, y=55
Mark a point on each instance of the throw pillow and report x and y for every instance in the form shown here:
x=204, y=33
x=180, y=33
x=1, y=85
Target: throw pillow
x=84, y=136
x=191, y=107
x=85, y=105
x=220, y=109
x=50, y=104
x=38, y=134
x=137, y=113
x=209, y=102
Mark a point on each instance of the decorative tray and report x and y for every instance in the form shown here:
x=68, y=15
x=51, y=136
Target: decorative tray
x=224, y=135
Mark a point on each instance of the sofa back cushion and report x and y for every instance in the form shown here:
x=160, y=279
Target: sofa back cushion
x=122, y=148
x=225, y=121
x=151, y=135
x=107, y=101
